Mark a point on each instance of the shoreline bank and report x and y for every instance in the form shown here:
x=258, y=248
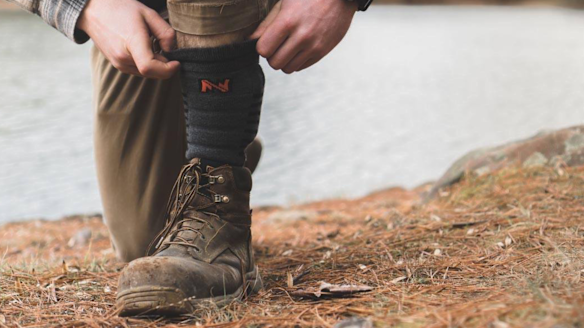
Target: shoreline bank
x=510, y=237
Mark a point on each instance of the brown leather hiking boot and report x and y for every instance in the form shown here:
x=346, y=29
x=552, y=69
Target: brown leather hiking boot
x=203, y=254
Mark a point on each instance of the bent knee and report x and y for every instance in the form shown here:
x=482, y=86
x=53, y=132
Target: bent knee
x=212, y=23
x=184, y=40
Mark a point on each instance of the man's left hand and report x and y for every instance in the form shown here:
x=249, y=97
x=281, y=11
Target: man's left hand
x=298, y=33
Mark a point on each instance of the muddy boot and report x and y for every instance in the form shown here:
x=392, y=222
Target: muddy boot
x=203, y=255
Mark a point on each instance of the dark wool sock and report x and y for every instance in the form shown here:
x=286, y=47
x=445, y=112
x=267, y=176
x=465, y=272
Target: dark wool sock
x=223, y=89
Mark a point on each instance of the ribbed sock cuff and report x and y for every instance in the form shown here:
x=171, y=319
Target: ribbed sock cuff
x=225, y=58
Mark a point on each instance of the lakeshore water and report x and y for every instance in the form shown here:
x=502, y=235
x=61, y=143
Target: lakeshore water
x=407, y=92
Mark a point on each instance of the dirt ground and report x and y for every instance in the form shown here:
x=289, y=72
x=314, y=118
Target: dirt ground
x=502, y=250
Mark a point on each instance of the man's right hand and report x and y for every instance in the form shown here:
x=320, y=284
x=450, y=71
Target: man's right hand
x=122, y=30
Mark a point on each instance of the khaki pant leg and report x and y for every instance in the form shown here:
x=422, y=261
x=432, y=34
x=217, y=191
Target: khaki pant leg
x=216, y=17
x=139, y=150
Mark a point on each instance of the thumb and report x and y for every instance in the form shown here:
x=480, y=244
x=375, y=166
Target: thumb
x=161, y=30
x=267, y=22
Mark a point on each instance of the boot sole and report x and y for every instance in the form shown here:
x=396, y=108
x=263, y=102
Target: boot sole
x=167, y=301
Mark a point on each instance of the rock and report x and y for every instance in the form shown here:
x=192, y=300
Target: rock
x=81, y=238
x=354, y=322
x=537, y=159
x=551, y=148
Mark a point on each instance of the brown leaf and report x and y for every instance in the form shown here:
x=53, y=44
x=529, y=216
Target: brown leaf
x=326, y=290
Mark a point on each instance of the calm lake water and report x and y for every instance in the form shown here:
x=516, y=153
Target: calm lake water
x=407, y=92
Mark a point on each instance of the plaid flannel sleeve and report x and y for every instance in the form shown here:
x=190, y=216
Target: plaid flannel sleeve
x=60, y=14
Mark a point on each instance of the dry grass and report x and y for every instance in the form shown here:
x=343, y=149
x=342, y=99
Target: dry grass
x=504, y=250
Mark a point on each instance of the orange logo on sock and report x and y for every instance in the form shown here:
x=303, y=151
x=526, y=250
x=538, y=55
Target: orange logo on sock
x=208, y=86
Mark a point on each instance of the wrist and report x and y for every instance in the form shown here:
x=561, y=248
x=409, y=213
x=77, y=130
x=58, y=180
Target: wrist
x=83, y=20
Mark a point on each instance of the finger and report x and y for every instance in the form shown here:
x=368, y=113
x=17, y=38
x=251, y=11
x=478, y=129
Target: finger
x=148, y=65
x=309, y=63
x=267, y=21
x=161, y=30
x=161, y=58
x=297, y=62
x=285, y=53
x=129, y=69
x=273, y=37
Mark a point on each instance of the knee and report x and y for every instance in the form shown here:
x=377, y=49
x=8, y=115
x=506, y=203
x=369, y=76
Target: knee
x=185, y=40
x=225, y=22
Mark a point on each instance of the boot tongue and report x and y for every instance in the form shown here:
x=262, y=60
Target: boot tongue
x=203, y=178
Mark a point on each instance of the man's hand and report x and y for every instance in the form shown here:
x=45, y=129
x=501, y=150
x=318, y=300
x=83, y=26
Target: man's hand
x=122, y=30
x=298, y=33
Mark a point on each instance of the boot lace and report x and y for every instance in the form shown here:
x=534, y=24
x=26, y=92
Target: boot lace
x=185, y=190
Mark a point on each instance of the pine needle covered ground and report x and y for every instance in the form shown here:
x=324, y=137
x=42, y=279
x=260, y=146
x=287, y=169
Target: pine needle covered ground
x=502, y=250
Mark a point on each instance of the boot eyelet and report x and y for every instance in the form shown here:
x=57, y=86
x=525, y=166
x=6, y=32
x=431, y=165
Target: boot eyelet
x=220, y=179
x=203, y=237
x=225, y=199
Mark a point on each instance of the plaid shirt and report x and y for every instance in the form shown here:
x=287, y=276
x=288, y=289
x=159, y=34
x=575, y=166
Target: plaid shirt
x=63, y=14
x=60, y=14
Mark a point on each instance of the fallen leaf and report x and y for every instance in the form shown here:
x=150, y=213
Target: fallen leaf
x=326, y=290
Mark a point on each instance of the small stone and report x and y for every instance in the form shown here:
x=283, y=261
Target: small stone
x=354, y=322
x=287, y=253
x=437, y=252
x=499, y=324
x=536, y=159
x=435, y=218
x=482, y=171
x=81, y=238
x=574, y=143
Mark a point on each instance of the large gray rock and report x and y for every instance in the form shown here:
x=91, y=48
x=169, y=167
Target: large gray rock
x=551, y=148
